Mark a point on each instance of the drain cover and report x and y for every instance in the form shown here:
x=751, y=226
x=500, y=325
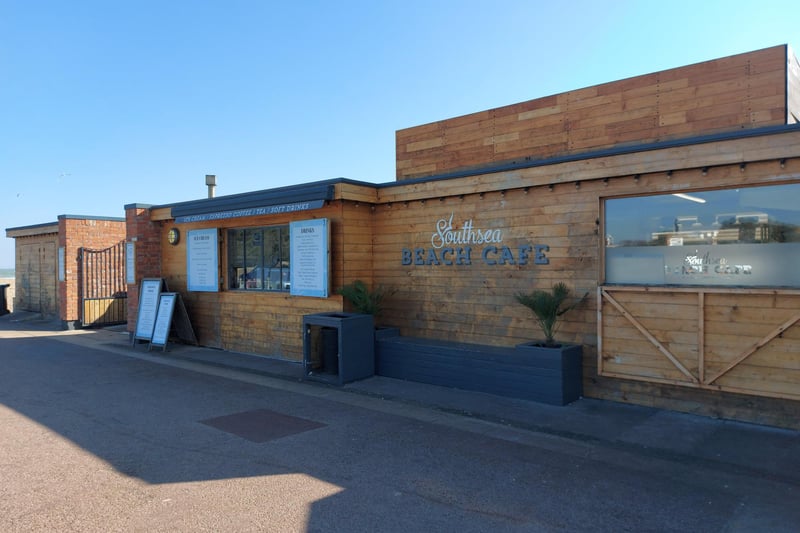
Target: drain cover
x=261, y=425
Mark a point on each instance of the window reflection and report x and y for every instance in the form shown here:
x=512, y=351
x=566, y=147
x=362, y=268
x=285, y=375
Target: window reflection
x=258, y=258
x=746, y=236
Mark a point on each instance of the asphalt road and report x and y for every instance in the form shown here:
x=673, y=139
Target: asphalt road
x=92, y=440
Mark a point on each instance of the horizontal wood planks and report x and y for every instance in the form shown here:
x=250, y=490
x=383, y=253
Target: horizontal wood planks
x=726, y=94
x=270, y=323
x=793, y=91
x=558, y=206
x=722, y=159
x=475, y=302
x=520, y=372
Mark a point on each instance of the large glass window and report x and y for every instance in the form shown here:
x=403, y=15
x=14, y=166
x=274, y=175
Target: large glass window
x=732, y=237
x=258, y=258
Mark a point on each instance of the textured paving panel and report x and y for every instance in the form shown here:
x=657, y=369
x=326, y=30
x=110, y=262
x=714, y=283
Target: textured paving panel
x=261, y=425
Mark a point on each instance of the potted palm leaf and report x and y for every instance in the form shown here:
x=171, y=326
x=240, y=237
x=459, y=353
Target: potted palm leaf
x=548, y=307
x=362, y=299
x=368, y=301
x=564, y=360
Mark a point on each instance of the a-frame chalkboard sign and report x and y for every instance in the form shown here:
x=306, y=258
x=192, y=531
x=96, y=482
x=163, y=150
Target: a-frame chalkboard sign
x=149, y=291
x=171, y=316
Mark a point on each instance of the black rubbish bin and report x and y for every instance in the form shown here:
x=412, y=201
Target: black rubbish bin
x=338, y=347
x=3, y=301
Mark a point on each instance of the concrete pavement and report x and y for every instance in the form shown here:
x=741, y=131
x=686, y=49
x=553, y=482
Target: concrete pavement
x=426, y=456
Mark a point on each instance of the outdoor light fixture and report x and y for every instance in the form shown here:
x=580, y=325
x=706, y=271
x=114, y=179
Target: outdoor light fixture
x=174, y=236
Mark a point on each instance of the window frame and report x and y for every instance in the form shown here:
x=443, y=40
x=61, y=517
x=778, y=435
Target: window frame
x=262, y=281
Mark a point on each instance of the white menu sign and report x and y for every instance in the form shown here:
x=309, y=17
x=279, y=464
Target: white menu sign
x=202, y=260
x=166, y=306
x=130, y=263
x=148, y=304
x=310, y=257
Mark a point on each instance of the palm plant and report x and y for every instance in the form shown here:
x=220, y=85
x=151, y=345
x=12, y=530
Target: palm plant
x=363, y=299
x=548, y=307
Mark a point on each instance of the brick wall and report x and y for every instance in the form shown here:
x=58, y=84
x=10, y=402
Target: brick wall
x=146, y=236
x=75, y=233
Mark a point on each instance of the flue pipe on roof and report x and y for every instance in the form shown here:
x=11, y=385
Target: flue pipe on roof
x=211, y=182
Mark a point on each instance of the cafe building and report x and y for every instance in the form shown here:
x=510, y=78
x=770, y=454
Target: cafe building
x=671, y=198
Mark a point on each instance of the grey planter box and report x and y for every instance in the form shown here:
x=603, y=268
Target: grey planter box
x=552, y=376
x=566, y=360
x=338, y=347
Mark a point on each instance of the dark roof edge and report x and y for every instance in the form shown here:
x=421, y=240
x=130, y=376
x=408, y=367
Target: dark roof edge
x=278, y=193
x=84, y=217
x=33, y=226
x=608, y=152
x=284, y=195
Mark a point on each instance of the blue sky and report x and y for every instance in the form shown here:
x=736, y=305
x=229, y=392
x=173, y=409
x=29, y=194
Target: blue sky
x=107, y=103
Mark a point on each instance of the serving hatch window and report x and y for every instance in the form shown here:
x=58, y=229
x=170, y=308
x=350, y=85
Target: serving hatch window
x=731, y=237
x=258, y=259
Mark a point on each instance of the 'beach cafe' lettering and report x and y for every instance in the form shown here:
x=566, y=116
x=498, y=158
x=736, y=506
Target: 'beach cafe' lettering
x=451, y=246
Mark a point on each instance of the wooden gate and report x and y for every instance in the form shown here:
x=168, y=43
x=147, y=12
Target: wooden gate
x=102, y=289
x=37, y=288
x=738, y=340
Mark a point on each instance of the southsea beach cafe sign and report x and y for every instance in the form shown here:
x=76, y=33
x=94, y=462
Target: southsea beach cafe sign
x=451, y=246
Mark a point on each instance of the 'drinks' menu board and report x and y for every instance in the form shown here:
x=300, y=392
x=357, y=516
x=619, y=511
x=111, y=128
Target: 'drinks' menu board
x=309, y=257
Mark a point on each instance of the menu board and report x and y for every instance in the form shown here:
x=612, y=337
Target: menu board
x=148, y=306
x=130, y=263
x=310, y=257
x=202, y=260
x=163, y=322
x=62, y=266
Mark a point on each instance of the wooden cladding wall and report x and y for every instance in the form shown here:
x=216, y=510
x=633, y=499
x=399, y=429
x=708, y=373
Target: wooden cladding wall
x=475, y=302
x=792, y=89
x=270, y=323
x=743, y=341
x=742, y=91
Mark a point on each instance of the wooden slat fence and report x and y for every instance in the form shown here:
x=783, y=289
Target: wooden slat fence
x=737, y=340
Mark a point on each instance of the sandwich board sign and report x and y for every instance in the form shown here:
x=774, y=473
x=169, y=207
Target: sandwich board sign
x=149, y=291
x=163, y=322
x=171, y=317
